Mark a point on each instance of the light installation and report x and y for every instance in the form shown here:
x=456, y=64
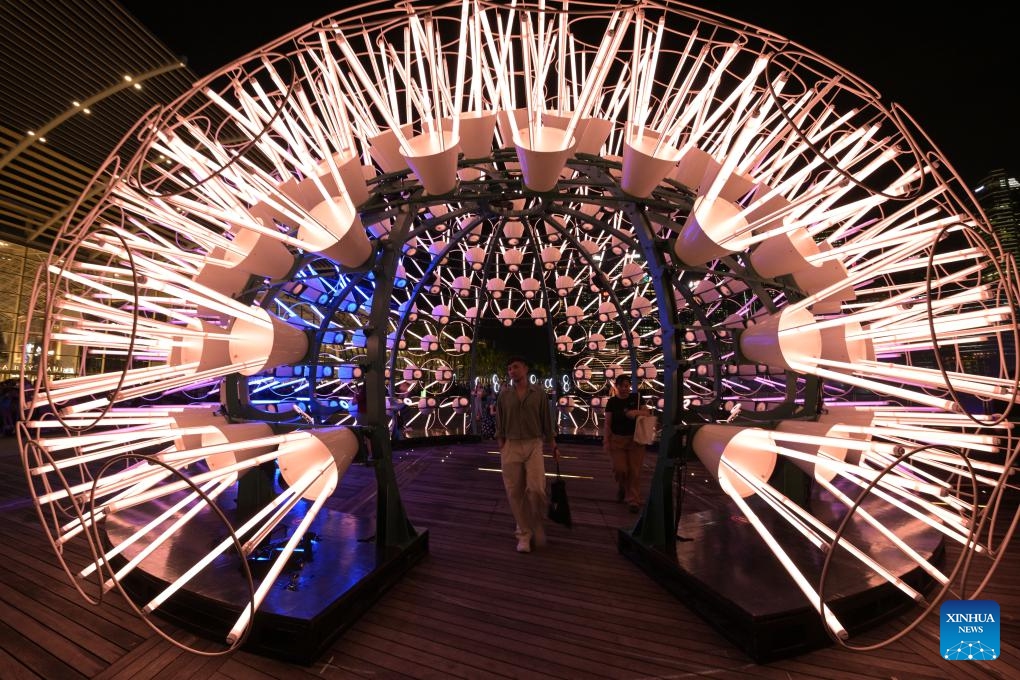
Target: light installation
x=788, y=266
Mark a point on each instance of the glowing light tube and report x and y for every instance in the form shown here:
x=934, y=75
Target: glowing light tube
x=227, y=543
x=281, y=560
x=777, y=550
x=889, y=534
x=822, y=536
x=213, y=490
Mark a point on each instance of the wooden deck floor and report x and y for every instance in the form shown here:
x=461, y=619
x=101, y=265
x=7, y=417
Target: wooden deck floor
x=473, y=608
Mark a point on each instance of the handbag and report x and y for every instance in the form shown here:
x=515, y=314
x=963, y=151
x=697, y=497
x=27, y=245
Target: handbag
x=644, y=430
x=559, y=506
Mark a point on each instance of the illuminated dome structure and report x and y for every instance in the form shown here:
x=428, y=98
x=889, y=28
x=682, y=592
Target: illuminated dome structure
x=788, y=266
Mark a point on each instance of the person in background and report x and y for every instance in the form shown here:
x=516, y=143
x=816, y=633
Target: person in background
x=622, y=411
x=523, y=430
x=361, y=403
x=488, y=413
x=8, y=411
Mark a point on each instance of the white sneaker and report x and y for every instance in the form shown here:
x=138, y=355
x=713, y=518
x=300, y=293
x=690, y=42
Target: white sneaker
x=524, y=545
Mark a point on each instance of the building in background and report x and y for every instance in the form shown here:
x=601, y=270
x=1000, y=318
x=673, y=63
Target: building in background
x=999, y=196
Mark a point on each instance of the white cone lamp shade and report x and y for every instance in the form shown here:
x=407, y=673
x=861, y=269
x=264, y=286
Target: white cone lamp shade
x=507, y=316
x=751, y=450
x=632, y=274
x=508, y=121
x=783, y=253
x=705, y=292
x=437, y=250
x=194, y=416
x=550, y=256
x=596, y=132
x=477, y=131
x=574, y=314
x=471, y=314
x=513, y=231
x=353, y=175
x=429, y=343
x=530, y=287
x=441, y=313
x=229, y=282
x=342, y=238
x=513, y=257
x=857, y=416
x=442, y=374
x=582, y=372
x=338, y=445
x=771, y=212
x=433, y=159
x=256, y=253
x=348, y=372
x=412, y=373
x=544, y=157
x=596, y=342
x=462, y=344
x=566, y=403
x=392, y=341
x=607, y=311
x=710, y=231
x=590, y=246
x=816, y=279
x=410, y=309
x=735, y=187
x=495, y=286
x=817, y=470
x=234, y=433
x=475, y=233
x=265, y=342
x=645, y=163
x=590, y=133
x=647, y=371
x=845, y=344
x=539, y=315
x=226, y=280
x=564, y=343
x=641, y=306
x=627, y=343
x=552, y=234
x=693, y=167
x=462, y=286
x=783, y=340
x=427, y=404
x=382, y=229
x=209, y=350
x=385, y=150
x=475, y=257
x=564, y=284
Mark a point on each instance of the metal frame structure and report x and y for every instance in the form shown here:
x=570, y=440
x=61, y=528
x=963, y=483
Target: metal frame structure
x=786, y=263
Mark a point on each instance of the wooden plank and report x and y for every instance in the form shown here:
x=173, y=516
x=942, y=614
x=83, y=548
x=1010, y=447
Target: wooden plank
x=107, y=639
x=36, y=654
x=473, y=608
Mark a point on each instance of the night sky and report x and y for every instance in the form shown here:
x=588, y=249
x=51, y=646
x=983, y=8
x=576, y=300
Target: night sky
x=953, y=70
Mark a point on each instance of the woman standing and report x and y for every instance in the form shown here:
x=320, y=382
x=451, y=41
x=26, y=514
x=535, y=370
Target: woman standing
x=622, y=412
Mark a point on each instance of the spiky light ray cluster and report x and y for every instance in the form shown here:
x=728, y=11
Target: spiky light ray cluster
x=642, y=182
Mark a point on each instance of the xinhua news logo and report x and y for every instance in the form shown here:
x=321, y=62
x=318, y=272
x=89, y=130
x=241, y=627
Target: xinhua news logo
x=969, y=630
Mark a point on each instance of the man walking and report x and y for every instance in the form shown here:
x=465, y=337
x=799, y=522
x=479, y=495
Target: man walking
x=523, y=429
